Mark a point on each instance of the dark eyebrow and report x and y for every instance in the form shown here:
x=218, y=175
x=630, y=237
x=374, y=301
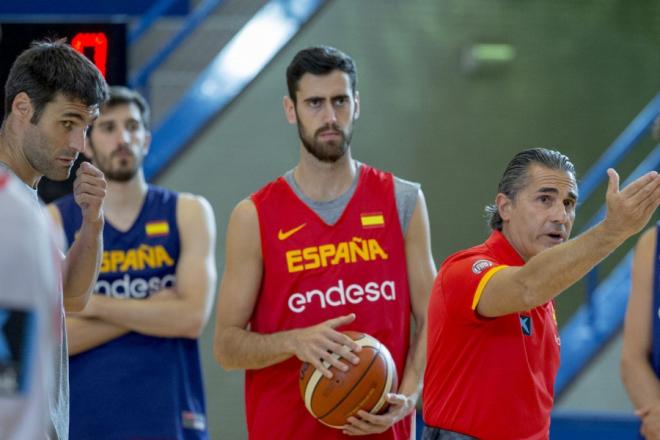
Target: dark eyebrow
x=571, y=195
x=321, y=98
x=73, y=115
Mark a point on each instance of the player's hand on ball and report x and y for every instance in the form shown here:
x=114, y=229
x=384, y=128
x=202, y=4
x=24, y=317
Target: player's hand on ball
x=366, y=423
x=322, y=346
x=89, y=192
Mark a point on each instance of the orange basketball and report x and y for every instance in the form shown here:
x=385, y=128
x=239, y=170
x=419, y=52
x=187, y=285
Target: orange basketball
x=363, y=386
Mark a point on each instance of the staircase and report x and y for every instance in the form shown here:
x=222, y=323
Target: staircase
x=178, y=72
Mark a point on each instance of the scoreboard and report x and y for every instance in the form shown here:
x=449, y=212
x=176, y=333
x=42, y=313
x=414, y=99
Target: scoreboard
x=103, y=43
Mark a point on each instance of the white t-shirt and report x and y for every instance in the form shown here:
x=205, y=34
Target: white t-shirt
x=29, y=312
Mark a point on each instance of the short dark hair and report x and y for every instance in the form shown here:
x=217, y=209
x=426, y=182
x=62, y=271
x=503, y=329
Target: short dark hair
x=515, y=176
x=119, y=95
x=319, y=60
x=51, y=67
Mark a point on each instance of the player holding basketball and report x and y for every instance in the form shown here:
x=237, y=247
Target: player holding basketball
x=135, y=344
x=493, y=345
x=332, y=245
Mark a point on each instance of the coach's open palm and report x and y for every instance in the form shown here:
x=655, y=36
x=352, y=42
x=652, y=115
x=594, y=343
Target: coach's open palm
x=630, y=209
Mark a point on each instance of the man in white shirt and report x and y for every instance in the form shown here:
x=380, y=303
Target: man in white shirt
x=28, y=303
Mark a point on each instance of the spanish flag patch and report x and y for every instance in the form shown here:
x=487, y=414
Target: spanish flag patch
x=157, y=228
x=372, y=220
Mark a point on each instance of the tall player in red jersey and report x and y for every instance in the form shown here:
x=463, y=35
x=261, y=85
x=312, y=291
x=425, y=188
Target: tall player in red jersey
x=493, y=346
x=332, y=245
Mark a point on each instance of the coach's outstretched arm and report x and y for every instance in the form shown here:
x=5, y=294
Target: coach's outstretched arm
x=421, y=273
x=235, y=346
x=546, y=275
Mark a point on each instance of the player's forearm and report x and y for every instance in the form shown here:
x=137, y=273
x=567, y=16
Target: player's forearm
x=81, y=266
x=236, y=348
x=640, y=381
x=171, y=317
x=413, y=373
x=84, y=334
x=554, y=270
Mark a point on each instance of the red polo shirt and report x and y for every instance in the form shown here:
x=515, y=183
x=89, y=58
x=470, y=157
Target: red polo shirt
x=491, y=378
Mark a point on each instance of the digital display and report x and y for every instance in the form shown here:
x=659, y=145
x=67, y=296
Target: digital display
x=103, y=43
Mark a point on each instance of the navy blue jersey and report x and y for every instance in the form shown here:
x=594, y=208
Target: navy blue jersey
x=655, y=347
x=137, y=386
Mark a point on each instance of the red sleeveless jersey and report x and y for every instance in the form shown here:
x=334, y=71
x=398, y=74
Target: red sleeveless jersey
x=313, y=272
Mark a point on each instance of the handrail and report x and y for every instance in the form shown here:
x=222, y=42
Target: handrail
x=146, y=20
x=618, y=149
x=230, y=72
x=140, y=79
x=651, y=162
x=598, y=172
x=601, y=315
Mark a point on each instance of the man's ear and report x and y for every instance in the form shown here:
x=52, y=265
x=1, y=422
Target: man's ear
x=504, y=205
x=290, y=110
x=22, y=107
x=357, y=105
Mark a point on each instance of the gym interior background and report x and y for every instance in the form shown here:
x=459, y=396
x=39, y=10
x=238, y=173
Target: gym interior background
x=450, y=90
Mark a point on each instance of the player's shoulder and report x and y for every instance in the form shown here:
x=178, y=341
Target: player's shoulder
x=405, y=183
x=193, y=208
x=272, y=190
x=192, y=199
x=406, y=188
x=401, y=185
x=245, y=210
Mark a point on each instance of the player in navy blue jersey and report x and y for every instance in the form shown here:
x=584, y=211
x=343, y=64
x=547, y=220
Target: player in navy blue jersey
x=135, y=366
x=640, y=357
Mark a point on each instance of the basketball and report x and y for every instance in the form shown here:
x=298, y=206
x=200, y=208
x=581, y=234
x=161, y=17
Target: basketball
x=363, y=386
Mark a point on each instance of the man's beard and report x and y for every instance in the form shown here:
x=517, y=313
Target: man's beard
x=330, y=151
x=122, y=173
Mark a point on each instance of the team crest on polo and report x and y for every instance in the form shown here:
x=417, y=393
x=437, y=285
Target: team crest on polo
x=526, y=324
x=17, y=342
x=481, y=265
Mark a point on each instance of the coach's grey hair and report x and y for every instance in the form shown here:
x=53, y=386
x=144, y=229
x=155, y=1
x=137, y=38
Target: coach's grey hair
x=515, y=176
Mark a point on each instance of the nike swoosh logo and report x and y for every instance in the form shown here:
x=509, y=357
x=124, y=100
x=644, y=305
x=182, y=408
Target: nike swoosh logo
x=281, y=235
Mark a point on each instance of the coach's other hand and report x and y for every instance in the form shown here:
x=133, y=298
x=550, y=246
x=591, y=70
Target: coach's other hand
x=89, y=191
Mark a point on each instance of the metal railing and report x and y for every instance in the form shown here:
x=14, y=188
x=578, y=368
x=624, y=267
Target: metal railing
x=140, y=80
x=230, y=72
x=601, y=316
